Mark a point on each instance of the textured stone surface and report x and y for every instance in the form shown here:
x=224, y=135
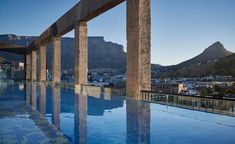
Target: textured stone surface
x=42, y=63
x=34, y=66
x=138, y=47
x=27, y=67
x=56, y=59
x=81, y=48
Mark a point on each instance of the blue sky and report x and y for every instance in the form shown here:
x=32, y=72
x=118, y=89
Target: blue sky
x=181, y=29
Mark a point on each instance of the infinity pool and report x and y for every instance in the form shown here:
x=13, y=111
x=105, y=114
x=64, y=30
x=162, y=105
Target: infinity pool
x=36, y=113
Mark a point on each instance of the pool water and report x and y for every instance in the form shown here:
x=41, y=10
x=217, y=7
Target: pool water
x=59, y=115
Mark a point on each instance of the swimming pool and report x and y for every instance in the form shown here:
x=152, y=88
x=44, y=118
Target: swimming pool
x=95, y=116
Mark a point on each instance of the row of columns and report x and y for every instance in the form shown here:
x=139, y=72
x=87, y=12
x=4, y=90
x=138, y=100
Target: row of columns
x=138, y=51
x=80, y=69
x=31, y=62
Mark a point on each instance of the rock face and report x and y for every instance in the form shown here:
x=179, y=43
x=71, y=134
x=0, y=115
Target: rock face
x=101, y=54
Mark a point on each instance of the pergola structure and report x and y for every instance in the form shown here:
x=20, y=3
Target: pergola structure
x=138, y=43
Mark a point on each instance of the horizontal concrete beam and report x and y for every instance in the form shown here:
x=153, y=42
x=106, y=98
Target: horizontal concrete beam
x=7, y=47
x=85, y=10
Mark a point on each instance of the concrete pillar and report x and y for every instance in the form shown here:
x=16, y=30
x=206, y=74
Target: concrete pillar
x=81, y=48
x=138, y=47
x=56, y=59
x=27, y=66
x=42, y=66
x=34, y=66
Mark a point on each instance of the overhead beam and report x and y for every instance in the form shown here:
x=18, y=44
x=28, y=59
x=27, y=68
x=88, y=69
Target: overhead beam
x=12, y=48
x=84, y=10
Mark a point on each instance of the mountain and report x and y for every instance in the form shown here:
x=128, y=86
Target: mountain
x=101, y=54
x=225, y=66
x=215, y=51
x=205, y=63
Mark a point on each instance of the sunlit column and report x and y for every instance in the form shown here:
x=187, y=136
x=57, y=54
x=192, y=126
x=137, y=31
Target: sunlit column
x=138, y=122
x=42, y=66
x=56, y=106
x=138, y=47
x=81, y=49
x=56, y=59
x=34, y=66
x=27, y=66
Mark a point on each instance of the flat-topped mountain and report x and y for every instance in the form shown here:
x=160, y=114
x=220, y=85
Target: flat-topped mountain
x=102, y=54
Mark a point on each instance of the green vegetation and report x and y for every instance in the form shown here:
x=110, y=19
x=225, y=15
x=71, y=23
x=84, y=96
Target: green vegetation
x=217, y=91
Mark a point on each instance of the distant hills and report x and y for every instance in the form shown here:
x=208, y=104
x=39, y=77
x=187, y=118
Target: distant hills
x=209, y=62
x=102, y=54
x=213, y=60
x=215, y=51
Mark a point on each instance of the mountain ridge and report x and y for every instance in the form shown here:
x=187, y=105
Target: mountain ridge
x=101, y=54
x=202, y=64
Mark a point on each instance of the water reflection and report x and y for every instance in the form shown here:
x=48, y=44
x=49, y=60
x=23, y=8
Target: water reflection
x=4, y=86
x=56, y=106
x=28, y=92
x=42, y=97
x=80, y=118
x=34, y=97
x=138, y=122
x=90, y=115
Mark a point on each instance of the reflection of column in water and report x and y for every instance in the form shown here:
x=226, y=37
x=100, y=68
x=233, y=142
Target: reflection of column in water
x=138, y=122
x=80, y=119
x=27, y=91
x=56, y=106
x=42, y=94
x=34, y=98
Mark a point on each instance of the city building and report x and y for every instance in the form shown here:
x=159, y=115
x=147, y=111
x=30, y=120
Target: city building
x=169, y=88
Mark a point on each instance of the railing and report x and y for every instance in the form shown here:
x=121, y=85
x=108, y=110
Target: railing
x=208, y=104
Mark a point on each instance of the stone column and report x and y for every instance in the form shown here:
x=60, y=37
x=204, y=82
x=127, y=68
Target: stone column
x=34, y=66
x=27, y=66
x=56, y=57
x=81, y=47
x=42, y=66
x=138, y=47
